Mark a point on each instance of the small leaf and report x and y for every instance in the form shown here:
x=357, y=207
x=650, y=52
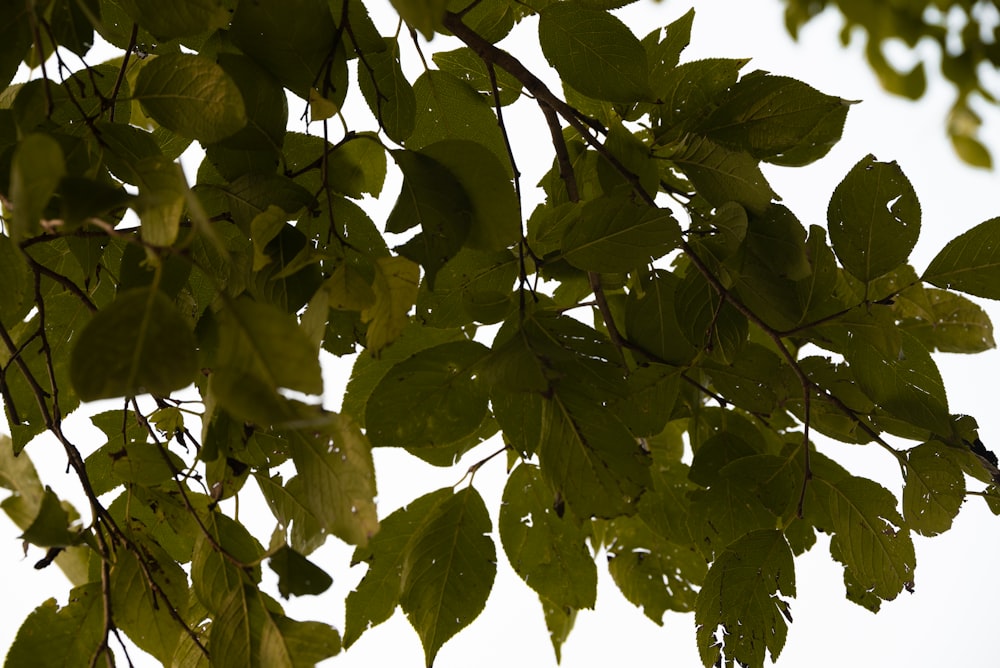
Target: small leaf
x=387, y=91
x=162, y=194
x=139, y=343
x=873, y=218
x=449, y=570
x=970, y=262
x=192, y=96
x=297, y=576
x=51, y=526
x=594, y=52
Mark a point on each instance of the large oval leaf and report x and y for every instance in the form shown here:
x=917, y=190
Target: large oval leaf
x=140, y=343
x=874, y=219
x=191, y=96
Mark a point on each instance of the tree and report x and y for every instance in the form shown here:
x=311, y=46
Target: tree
x=667, y=338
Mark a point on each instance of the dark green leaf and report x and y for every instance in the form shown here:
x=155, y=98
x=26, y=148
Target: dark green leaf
x=617, y=235
x=376, y=597
x=721, y=175
x=546, y=547
x=140, y=343
x=293, y=39
x=431, y=399
x=297, y=576
x=54, y=637
x=934, y=489
x=387, y=91
x=594, y=52
x=874, y=219
x=970, y=262
x=180, y=19
x=37, y=166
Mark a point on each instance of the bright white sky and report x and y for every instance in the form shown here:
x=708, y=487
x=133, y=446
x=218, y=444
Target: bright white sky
x=947, y=621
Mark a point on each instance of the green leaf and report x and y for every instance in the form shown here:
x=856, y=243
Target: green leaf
x=162, y=194
x=467, y=66
x=613, y=234
x=54, y=637
x=547, y=548
x=721, y=175
x=740, y=613
x=652, y=573
x=424, y=15
x=192, y=96
x=944, y=321
x=297, y=576
x=433, y=198
x=594, y=52
x=873, y=218
x=777, y=119
x=35, y=171
x=395, y=287
x=338, y=478
x=377, y=595
x=387, y=91
x=431, y=399
x=870, y=538
x=180, y=19
x=559, y=621
x=970, y=262
x=449, y=570
x=448, y=108
x=651, y=319
x=139, y=343
x=461, y=285
x=265, y=103
x=496, y=213
x=907, y=385
x=144, y=613
x=934, y=489
x=590, y=458
x=261, y=350
x=665, y=54
x=292, y=39
x=51, y=526
x=357, y=166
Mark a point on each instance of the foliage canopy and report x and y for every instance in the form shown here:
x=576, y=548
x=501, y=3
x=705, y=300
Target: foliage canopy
x=656, y=342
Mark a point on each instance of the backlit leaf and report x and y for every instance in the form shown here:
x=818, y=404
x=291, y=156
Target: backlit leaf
x=594, y=52
x=874, y=219
x=545, y=547
x=970, y=262
x=616, y=235
x=741, y=613
x=934, y=489
x=448, y=570
x=160, y=347
x=192, y=96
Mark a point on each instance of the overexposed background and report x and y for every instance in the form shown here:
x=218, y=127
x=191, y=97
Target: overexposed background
x=947, y=621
